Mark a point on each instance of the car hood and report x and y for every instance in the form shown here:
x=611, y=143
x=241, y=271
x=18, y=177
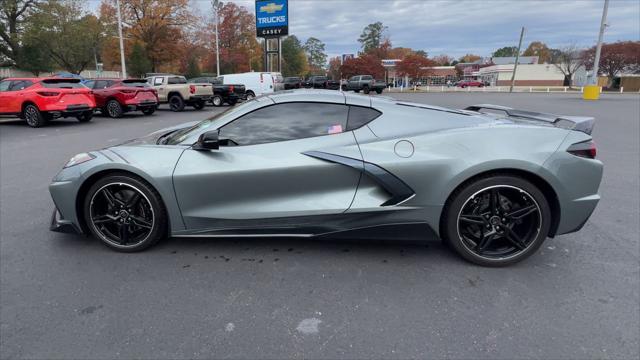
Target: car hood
x=152, y=138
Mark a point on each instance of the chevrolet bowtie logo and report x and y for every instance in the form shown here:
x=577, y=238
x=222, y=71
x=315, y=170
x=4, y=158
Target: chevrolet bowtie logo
x=271, y=8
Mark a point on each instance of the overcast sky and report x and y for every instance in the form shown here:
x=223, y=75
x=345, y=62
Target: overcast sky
x=457, y=27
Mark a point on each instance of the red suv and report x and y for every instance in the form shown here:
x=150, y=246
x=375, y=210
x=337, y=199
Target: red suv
x=38, y=100
x=114, y=97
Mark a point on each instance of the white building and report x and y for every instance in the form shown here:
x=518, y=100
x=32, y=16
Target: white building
x=529, y=75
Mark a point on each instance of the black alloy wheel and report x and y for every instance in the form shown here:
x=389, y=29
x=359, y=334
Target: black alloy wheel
x=33, y=116
x=497, y=221
x=125, y=213
x=114, y=109
x=176, y=103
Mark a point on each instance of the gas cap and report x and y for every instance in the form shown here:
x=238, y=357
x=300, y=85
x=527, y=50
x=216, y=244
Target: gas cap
x=404, y=149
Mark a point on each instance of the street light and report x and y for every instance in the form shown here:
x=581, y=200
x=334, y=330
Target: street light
x=124, y=68
x=603, y=25
x=216, y=4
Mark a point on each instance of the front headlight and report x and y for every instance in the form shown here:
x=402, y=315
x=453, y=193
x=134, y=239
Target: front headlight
x=79, y=159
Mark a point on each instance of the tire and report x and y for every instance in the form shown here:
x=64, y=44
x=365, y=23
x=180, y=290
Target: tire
x=132, y=223
x=149, y=111
x=217, y=100
x=85, y=116
x=378, y=91
x=250, y=95
x=32, y=115
x=510, y=234
x=114, y=109
x=366, y=90
x=198, y=105
x=176, y=104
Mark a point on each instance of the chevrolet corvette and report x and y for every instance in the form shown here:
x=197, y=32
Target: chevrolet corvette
x=492, y=182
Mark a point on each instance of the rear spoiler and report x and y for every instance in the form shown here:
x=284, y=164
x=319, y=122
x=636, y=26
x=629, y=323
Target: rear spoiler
x=578, y=123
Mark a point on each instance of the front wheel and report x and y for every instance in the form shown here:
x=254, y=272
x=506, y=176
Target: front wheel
x=250, y=95
x=125, y=213
x=85, y=116
x=497, y=220
x=217, y=100
x=198, y=105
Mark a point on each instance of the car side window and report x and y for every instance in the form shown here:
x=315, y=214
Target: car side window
x=367, y=78
x=289, y=121
x=158, y=81
x=20, y=85
x=4, y=85
x=360, y=116
x=100, y=84
x=90, y=84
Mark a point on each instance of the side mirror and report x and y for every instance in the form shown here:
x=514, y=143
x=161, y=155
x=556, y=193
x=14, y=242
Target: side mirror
x=208, y=141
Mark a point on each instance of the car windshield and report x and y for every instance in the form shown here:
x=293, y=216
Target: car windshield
x=181, y=135
x=62, y=84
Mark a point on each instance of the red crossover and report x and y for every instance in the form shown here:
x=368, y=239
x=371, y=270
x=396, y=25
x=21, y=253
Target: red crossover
x=469, y=83
x=114, y=97
x=38, y=100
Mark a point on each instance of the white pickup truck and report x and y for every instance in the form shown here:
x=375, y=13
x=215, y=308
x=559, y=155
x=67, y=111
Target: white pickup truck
x=174, y=90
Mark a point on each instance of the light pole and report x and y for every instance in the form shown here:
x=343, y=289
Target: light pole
x=596, y=62
x=124, y=68
x=215, y=4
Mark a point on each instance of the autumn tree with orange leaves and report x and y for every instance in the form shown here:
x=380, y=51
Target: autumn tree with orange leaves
x=415, y=66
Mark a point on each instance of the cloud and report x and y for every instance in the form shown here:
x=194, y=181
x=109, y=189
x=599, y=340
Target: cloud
x=457, y=27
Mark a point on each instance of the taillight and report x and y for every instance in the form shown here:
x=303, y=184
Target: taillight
x=48, y=93
x=230, y=88
x=192, y=89
x=261, y=78
x=585, y=149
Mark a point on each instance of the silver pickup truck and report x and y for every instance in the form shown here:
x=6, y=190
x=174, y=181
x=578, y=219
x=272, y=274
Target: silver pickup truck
x=366, y=83
x=174, y=90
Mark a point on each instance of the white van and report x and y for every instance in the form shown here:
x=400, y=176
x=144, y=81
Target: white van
x=255, y=83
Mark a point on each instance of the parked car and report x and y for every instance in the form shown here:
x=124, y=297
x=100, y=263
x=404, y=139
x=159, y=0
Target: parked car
x=222, y=93
x=38, y=100
x=175, y=90
x=469, y=83
x=255, y=83
x=365, y=83
x=115, y=97
x=278, y=81
x=356, y=167
x=293, y=82
x=321, y=82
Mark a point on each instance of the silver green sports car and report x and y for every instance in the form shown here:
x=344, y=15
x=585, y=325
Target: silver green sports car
x=490, y=181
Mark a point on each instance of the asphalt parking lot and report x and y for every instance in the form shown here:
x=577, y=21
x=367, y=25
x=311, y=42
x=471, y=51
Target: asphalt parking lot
x=66, y=296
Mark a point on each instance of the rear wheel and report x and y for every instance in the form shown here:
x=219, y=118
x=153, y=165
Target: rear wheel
x=125, y=213
x=497, y=221
x=149, y=111
x=217, y=100
x=176, y=103
x=85, y=116
x=33, y=116
x=250, y=95
x=233, y=102
x=114, y=109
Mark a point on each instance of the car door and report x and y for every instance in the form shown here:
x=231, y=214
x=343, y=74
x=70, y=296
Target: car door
x=160, y=86
x=352, y=83
x=14, y=96
x=5, y=96
x=267, y=174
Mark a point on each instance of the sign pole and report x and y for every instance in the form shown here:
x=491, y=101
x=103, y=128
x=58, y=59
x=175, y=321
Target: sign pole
x=596, y=62
x=122, y=62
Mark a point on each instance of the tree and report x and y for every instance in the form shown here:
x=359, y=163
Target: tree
x=539, y=49
x=314, y=49
x=365, y=64
x=507, y=51
x=615, y=58
x=469, y=58
x=13, y=15
x=138, y=63
x=239, y=48
x=568, y=62
x=415, y=66
x=193, y=69
x=294, y=60
x=335, y=64
x=34, y=58
x=443, y=60
x=372, y=36
x=66, y=33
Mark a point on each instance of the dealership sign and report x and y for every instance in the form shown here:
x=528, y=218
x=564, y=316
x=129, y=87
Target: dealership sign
x=272, y=18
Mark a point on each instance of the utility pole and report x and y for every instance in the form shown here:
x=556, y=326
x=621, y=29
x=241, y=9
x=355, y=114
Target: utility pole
x=215, y=11
x=596, y=62
x=515, y=66
x=124, y=68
